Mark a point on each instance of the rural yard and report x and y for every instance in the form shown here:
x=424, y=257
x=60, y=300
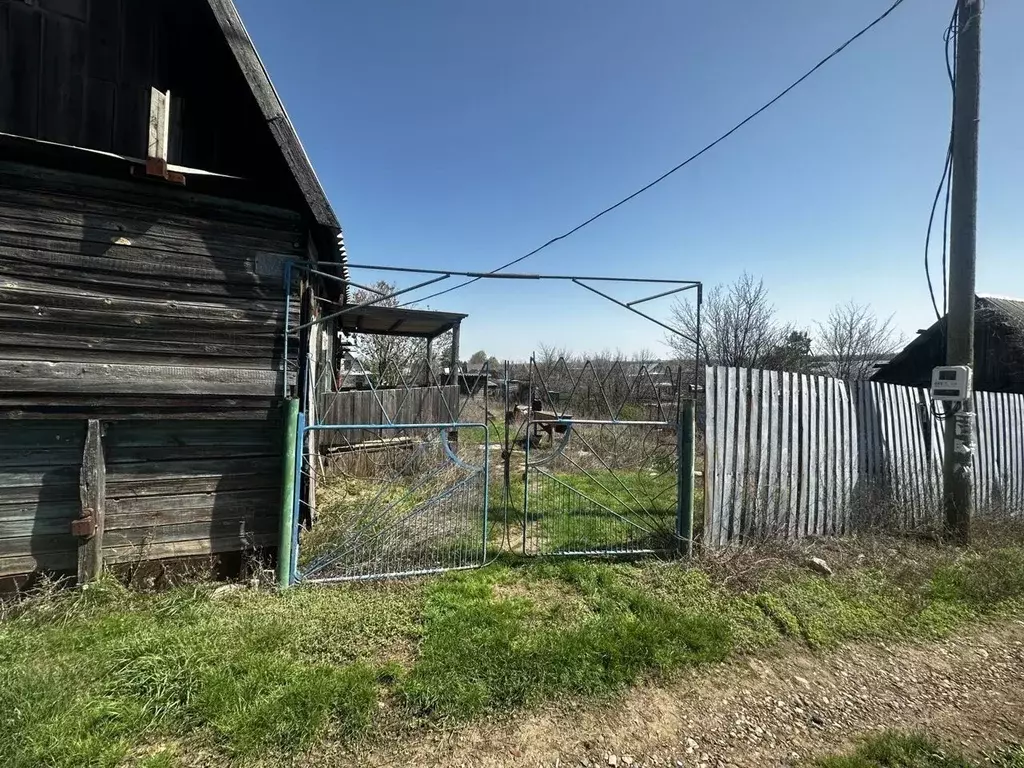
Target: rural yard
x=749, y=659
x=635, y=436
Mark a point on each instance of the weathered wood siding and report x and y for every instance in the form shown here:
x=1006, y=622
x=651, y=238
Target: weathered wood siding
x=132, y=300
x=39, y=495
x=161, y=314
x=177, y=489
x=791, y=455
x=173, y=489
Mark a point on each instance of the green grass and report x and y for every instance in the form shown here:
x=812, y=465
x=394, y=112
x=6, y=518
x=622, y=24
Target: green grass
x=106, y=677
x=86, y=677
x=603, y=510
x=914, y=750
x=482, y=652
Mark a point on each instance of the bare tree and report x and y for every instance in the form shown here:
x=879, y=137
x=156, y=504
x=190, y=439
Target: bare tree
x=738, y=325
x=389, y=360
x=853, y=339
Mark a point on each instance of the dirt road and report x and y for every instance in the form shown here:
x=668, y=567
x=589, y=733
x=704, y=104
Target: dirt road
x=759, y=712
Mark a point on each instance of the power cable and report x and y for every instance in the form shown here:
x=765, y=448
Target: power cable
x=685, y=162
x=945, y=183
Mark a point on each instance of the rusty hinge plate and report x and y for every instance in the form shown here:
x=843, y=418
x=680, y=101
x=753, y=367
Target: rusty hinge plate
x=83, y=527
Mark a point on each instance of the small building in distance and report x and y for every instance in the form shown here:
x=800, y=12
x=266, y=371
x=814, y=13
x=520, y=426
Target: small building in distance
x=998, y=349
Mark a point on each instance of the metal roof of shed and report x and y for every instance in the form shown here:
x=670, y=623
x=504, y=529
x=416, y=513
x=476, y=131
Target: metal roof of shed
x=393, y=321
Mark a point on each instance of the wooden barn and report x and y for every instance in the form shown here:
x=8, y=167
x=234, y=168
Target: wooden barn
x=998, y=350
x=152, y=191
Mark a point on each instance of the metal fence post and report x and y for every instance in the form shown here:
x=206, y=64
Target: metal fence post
x=288, y=491
x=684, y=520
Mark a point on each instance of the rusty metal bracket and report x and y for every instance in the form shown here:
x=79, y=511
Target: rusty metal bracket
x=84, y=527
x=157, y=169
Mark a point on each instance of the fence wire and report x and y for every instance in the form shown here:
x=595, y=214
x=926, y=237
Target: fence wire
x=418, y=473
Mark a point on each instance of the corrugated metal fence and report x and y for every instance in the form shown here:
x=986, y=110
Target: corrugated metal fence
x=791, y=455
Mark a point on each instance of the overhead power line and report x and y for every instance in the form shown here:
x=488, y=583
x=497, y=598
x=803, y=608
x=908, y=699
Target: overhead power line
x=949, y=36
x=767, y=105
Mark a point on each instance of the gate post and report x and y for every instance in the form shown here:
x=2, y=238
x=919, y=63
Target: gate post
x=289, y=456
x=684, y=519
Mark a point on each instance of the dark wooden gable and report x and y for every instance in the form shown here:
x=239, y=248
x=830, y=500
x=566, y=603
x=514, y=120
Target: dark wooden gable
x=998, y=350
x=80, y=73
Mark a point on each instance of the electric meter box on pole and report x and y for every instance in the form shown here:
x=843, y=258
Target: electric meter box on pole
x=951, y=383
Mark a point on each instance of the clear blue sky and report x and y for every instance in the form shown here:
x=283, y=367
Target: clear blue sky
x=464, y=133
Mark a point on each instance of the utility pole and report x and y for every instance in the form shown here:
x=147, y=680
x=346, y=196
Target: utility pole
x=958, y=495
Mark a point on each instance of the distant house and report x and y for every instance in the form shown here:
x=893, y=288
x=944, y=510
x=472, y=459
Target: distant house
x=998, y=349
x=827, y=365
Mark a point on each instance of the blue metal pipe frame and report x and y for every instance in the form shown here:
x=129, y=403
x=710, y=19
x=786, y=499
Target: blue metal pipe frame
x=442, y=427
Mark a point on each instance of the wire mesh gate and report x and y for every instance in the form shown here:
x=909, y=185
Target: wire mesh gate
x=430, y=473
x=601, y=472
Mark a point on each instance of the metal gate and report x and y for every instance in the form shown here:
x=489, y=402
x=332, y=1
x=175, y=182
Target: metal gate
x=548, y=458
x=396, y=473
x=601, y=465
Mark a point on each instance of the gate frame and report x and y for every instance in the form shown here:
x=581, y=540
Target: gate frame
x=569, y=423
x=296, y=577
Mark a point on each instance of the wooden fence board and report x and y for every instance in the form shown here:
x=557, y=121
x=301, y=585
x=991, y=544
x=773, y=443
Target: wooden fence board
x=833, y=433
x=711, y=461
x=742, y=410
x=769, y=448
x=791, y=453
x=723, y=508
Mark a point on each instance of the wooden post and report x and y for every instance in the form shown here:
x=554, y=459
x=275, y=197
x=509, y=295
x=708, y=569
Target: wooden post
x=958, y=466
x=456, y=333
x=92, y=491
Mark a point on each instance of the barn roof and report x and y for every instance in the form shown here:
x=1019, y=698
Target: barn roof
x=1009, y=312
x=989, y=311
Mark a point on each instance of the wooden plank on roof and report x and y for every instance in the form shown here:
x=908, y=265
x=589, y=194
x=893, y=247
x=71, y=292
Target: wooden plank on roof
x=159, y=137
